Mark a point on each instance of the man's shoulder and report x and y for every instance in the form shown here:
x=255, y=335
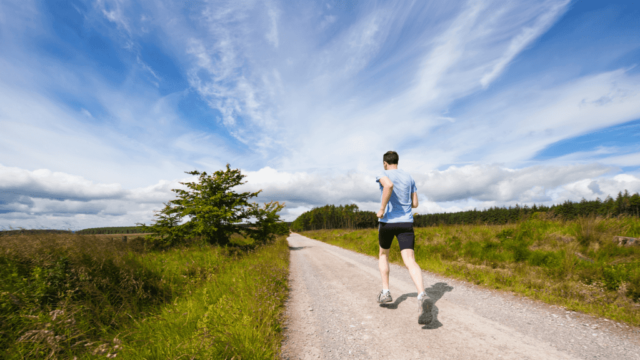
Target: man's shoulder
x=381, y=174
x=404, y=174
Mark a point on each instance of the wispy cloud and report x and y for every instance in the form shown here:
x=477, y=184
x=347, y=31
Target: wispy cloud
x=305, y=97
x=112, y=10
x=552, y=11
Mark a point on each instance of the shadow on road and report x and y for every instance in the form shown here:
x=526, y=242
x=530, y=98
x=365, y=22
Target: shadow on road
x=434, y=293
x=297, y=247
x=401, y=298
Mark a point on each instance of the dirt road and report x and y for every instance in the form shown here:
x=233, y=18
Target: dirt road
x=332, y=314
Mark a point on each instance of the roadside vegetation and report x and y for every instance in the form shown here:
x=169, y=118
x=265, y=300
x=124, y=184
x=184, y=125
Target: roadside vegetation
x=205, y=286
x=76, y=295
x=576, y=264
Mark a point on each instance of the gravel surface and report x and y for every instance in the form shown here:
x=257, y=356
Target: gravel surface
x=332, y=314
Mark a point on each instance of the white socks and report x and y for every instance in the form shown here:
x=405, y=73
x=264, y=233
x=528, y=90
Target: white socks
x=420, y=296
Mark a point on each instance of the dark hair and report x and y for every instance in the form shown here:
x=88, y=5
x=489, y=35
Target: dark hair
x=391, y=158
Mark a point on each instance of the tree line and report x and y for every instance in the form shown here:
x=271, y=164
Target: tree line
x=32, y=232
x=112, y=230
x=351, y=217
x=335, y=217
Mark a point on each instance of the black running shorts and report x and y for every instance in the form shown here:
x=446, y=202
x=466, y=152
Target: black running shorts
x=403, y=231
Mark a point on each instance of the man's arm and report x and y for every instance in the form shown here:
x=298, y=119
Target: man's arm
x=387, y=189
x=414, y=200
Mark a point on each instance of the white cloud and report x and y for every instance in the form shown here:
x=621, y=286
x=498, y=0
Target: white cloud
x=479, y=182
x=308, y=189
x=450, y=190
x=513, y=125
x=623, y=160
x=43, y=198
x=30, y=198
x=500, y=184
x=112, y=10
x=46, y=184
x=272, y=35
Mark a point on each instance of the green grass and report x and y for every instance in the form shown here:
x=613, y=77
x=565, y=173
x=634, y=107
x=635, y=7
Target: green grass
x=66, y=296
x=236, y=313
x=572, y=264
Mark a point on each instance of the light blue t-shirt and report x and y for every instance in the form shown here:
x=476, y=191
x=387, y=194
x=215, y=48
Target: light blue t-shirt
x=399, y=207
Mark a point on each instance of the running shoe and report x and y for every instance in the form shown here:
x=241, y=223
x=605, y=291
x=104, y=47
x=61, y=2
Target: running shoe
x=425, y=314
x=384, y=297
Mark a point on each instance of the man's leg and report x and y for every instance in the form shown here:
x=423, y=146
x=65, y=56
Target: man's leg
x=409, y=259
x=383, y=263
x=384, y=241
x=425, y=307
x=406, y=240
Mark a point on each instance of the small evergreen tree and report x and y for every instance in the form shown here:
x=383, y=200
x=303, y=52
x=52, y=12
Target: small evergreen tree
x=211, y=210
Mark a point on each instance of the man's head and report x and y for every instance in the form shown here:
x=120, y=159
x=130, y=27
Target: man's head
x=390, y=160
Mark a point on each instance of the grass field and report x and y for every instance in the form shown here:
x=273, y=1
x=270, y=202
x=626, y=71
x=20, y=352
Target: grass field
x=64, y=296
x=575, y=264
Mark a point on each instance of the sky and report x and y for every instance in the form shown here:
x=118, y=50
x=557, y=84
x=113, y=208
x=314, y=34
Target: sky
x=105, y=104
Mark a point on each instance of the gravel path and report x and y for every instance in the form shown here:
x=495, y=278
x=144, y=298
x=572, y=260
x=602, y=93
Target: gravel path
x=332, y=314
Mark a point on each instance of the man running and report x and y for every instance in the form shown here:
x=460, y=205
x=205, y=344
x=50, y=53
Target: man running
x=399, y=196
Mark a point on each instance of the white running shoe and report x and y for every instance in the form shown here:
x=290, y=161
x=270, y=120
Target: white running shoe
x=384, y=297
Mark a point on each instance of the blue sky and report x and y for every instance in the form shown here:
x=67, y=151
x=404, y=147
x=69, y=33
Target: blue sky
x=105, y=104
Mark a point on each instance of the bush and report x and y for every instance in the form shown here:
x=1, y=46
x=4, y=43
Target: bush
x=633, y=287
x=587, y=230
x=613, y=276
x=517, y=242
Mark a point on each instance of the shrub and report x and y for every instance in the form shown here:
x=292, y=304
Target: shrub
x=633, y=287
x=517, y=242
x=613, y=276
x=587, y=230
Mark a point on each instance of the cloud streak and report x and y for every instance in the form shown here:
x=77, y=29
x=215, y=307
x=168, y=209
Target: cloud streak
x=304, y=97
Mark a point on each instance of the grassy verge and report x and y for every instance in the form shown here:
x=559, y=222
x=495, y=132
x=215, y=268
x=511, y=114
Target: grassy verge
x=575, y=264
x=236, y=313
x=65, y=296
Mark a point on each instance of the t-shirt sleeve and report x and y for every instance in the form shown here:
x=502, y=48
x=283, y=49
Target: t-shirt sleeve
x=414, y=189
x=380, y=176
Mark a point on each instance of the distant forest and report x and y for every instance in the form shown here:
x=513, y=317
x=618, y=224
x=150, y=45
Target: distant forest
x=124, y=230
x=350, y=217
x=112, y=230
x=32, y=232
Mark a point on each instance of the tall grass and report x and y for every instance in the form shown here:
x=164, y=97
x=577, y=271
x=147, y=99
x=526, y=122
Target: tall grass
x=575, y=264
x=235, y=314
x=65, y=295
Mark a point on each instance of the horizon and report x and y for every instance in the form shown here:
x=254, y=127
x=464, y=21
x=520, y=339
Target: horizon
x=623, y=194
x=104, y=105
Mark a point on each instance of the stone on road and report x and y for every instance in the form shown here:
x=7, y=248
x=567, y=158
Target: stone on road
x=333, y=314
